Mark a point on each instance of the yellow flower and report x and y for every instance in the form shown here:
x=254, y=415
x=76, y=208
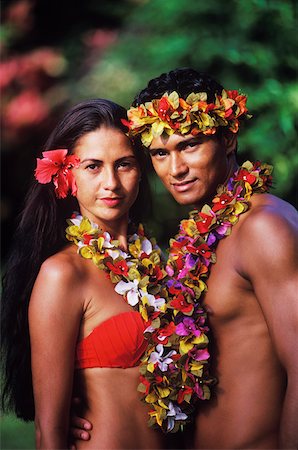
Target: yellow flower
x=163, y=391
x=87, y=252
x=196, y=368
x=159, y=414
x=151, y=398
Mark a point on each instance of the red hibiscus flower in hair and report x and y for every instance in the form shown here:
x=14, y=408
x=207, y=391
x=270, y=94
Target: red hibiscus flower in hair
x=56, y=167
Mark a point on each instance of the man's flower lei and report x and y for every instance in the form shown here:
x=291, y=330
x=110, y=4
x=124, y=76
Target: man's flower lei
x=55, y=166
x=171, y=114
x=174, y=369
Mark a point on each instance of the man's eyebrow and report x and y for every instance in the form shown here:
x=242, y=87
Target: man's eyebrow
x=194, y=139
x=180, y=145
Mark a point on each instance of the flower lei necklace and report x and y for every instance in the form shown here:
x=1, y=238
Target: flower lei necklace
x=174, y=369
x=140, y=276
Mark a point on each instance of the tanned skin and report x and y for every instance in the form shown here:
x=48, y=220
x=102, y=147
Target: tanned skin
x=71, y=297
x=251, y=299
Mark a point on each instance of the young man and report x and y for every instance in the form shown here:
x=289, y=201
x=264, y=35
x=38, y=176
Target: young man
x=252, y=289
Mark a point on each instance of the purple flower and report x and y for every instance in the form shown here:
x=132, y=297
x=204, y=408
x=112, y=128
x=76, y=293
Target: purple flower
x=200, y=354
x=187, y=327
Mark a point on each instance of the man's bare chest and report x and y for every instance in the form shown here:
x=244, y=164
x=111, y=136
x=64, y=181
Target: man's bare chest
x=230, y=294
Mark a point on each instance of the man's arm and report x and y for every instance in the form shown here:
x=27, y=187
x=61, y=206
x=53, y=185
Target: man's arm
x=269, y=243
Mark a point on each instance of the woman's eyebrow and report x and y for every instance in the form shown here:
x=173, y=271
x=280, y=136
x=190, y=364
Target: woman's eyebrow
x=125, y=157
x=98, y=161
x=93, y=160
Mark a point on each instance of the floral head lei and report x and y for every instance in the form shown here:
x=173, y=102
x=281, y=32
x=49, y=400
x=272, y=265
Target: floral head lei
x=174, y=371
x=172, y=114
x=55, y=167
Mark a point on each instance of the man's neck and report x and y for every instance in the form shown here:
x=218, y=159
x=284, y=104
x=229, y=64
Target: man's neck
x=232, y=168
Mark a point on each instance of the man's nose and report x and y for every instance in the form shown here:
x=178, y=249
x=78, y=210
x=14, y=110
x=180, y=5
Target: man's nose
x=178, y=167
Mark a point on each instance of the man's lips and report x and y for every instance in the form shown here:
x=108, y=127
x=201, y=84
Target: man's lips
x=183, y=186
x=111, y=201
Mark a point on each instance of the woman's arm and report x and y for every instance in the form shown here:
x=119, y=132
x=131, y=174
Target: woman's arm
x=55, y=312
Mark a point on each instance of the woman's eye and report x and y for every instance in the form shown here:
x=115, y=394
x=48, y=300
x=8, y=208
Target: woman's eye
x=92, y=167
x=125, y=165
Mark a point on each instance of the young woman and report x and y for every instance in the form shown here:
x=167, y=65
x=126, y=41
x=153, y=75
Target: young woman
x=64, y=327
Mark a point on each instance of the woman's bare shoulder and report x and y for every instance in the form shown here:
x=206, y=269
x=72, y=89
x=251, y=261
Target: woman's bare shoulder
x=64, y=265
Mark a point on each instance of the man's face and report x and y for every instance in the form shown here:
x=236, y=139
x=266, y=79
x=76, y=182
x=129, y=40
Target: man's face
x=191, y=167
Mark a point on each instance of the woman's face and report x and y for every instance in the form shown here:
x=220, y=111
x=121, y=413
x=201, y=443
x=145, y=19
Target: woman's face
x=108, y=176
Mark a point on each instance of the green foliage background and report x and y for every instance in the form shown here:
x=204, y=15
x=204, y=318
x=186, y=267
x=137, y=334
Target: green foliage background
x=249, y=45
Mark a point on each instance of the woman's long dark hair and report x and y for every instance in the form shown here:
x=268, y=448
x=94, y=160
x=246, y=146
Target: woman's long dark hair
x=40, y=234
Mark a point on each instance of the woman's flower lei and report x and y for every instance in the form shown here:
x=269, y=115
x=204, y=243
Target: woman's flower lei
x=141, y=278
x=174, y=369
x=55, y=166
x=171, y=114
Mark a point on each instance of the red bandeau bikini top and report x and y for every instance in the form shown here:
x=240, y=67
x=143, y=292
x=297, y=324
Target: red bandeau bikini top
x=117, y=342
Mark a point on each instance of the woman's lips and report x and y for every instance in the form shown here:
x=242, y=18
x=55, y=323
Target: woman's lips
x=111, y=201
x=183, y=185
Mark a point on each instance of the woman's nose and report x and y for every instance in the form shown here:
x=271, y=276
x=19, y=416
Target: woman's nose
x=110, y=180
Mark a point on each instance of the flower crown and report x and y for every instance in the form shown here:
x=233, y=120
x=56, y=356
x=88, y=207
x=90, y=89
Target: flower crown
x=172, y=114
x=55, y=166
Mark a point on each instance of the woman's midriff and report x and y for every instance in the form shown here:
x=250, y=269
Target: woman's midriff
x=112, y=404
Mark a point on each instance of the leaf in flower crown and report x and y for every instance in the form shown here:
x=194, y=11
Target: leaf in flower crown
x=147, y=138
x=157, y=128
x=198, y=97
x=174, y=99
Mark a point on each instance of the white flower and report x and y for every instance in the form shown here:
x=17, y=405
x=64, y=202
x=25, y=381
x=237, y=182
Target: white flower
x=173, y=414
x=76, y=220
x=162, y=361
x=146, y=246
x=107, y=240
x=116, y=253
x=157, y=303
x=149, y=329
x=130, y=289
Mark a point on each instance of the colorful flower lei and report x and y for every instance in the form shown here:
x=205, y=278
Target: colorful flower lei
x=171, y=114
x=174, y=369
x=174, y=392
x=140, y=277
x=56, y=167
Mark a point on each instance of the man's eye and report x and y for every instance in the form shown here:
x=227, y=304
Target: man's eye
x=192, y=144
x=159, y=154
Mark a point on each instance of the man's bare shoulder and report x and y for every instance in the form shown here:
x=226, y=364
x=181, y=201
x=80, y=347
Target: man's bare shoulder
x=270, y=214
x=270, y=228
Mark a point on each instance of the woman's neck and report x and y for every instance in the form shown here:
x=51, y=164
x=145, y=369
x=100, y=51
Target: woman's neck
x=116, y=228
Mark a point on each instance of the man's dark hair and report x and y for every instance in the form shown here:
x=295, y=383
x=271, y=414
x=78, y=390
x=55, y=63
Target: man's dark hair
x=182, y=80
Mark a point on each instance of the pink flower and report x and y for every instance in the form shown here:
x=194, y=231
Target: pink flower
x=27, y=109
x=55, y=166
x=187, y=327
